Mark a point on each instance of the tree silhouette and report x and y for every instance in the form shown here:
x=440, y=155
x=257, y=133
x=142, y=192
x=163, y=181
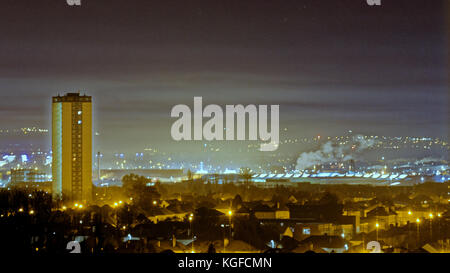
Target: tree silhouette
x=237, y=202
x=246, y=173
x=135, y=186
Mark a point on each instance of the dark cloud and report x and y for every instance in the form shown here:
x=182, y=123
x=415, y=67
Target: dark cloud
x=331, y=65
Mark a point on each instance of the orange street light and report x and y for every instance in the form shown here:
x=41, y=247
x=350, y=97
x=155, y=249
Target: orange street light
x=377, y=226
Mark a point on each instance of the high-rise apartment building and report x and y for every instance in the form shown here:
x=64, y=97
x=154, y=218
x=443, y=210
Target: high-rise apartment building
x=72, y=147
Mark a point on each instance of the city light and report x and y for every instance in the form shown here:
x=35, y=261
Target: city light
x=371, y=146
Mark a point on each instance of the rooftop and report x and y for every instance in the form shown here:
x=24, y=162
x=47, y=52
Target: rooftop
x=72, y=97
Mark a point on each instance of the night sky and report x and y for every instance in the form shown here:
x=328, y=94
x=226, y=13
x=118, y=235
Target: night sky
x=332, y=66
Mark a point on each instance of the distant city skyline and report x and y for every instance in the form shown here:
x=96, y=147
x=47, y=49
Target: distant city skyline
x=332, y=67
x=330, y=124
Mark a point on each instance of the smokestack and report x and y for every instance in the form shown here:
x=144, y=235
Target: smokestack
x=351, y=165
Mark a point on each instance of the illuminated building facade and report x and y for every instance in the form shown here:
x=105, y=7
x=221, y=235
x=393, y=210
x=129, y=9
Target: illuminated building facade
x=27, y=175
x=72, y=147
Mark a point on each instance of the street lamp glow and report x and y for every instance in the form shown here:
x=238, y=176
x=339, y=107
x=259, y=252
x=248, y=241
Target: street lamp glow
x=80, y=206
x=230, y=212
x=21, y=209
x=120, y=202
x=76, y=204
x=439, y=215
x=115, y=204
x=31, y=211
x=431, y=215
x=377, y=225
x=154, y=202
x=418, y=220
x=409, y=212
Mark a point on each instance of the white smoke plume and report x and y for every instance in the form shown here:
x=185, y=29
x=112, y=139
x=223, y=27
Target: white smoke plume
x=334, y=152
x=429, y=160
